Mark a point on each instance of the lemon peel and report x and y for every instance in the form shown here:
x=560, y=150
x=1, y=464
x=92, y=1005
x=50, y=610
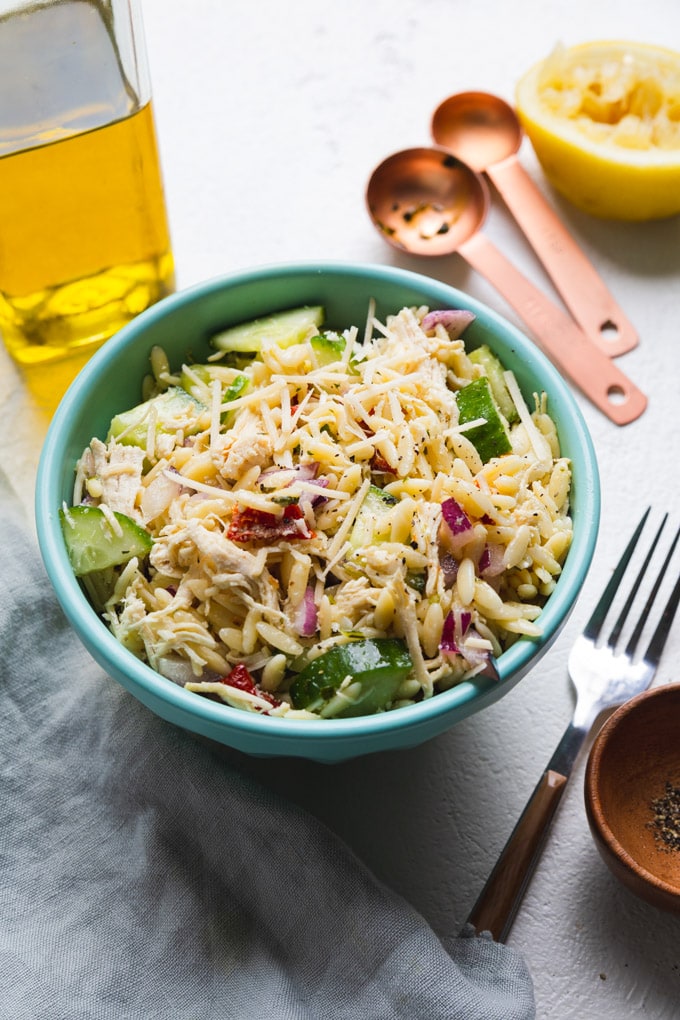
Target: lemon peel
x=604, y=121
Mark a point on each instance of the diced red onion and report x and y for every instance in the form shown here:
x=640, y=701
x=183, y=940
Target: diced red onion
x=179, y=670
x=307, y=472
x=475, y=656
x=455, y=628
x=455, y=517
x=454, y=321
x=491, y=561
x=458, y=527
x=306, y=616
x=456, y=635
x=313, y=498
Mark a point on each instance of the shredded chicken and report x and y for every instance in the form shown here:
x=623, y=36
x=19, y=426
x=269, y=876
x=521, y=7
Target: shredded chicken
x=246, y=448
x=114, y=472
x=185, y=545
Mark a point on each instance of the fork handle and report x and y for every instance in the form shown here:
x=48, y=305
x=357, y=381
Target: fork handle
x=502, y=894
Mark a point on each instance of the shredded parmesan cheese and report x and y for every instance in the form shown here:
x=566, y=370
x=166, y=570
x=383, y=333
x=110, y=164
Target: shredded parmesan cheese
x=267, y=551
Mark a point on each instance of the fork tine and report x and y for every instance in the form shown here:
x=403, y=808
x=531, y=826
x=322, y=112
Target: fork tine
x=630, y=647
x=603, y=680
x=618, y=626
x=594, y=624
x=655, y=647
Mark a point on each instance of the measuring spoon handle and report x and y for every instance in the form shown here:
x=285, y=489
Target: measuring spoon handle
x=576, y=279
x=560, y=338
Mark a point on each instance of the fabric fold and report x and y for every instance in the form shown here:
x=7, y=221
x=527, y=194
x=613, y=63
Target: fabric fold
x=142, y=875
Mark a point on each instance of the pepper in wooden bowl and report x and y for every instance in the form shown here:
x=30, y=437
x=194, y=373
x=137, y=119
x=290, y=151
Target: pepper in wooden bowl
x=632, y=795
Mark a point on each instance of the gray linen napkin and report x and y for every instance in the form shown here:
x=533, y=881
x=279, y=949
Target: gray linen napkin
x=142, y=876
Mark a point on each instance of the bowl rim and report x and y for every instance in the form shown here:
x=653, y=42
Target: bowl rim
x=593, y=773
x=122, y=663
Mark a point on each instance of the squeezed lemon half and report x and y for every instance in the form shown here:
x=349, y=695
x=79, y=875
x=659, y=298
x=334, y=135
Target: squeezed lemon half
x=604, y=121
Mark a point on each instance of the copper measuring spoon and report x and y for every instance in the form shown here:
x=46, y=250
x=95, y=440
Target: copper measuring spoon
x=426, y=202
x=484, y=131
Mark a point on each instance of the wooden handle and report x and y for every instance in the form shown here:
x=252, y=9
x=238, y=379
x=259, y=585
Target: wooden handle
x=560, y=338
x=576, y=279
x=502, y=894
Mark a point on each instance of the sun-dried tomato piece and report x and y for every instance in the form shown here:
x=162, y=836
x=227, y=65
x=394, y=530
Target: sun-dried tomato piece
x=379, y=464
x=249, y=525
x=241, y=679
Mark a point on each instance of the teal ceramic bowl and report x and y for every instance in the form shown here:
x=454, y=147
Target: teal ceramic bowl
x=182, y=324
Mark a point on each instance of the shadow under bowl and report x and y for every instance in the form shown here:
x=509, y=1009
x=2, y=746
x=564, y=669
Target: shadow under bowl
x=632, y=795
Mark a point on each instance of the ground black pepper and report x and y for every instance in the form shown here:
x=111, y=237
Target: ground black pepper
x=666, y=823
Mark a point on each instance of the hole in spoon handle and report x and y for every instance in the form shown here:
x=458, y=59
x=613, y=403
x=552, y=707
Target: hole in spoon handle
x=581, y=287
x=559, y=337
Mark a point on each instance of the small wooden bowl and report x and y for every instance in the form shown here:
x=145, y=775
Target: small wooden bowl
x=633, y=765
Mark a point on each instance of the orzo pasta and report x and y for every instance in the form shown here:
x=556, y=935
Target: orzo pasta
x=327, y=523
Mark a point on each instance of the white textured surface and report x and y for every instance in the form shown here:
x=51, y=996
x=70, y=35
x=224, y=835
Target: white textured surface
x=270, y=117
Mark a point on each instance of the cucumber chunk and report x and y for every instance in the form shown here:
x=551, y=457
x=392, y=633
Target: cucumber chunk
x=490, y=438
x=174, y=409
x=235, y=389
x=93, y=544
x=377, y=504
x=377, y=665
x=283, y=328
x=196, y=380
x=493, y=369
x=327, y=349
x=417, y=580
x=189, y=376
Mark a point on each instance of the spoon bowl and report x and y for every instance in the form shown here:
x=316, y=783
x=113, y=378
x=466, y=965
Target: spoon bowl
x=426, y=201
x=479, y=128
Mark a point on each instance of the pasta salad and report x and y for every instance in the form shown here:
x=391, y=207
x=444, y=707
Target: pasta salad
x=319, y=524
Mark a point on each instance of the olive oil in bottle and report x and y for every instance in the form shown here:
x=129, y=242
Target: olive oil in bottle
x=84, y=240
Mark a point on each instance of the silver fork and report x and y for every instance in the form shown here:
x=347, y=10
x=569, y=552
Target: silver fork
x=604, y=677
